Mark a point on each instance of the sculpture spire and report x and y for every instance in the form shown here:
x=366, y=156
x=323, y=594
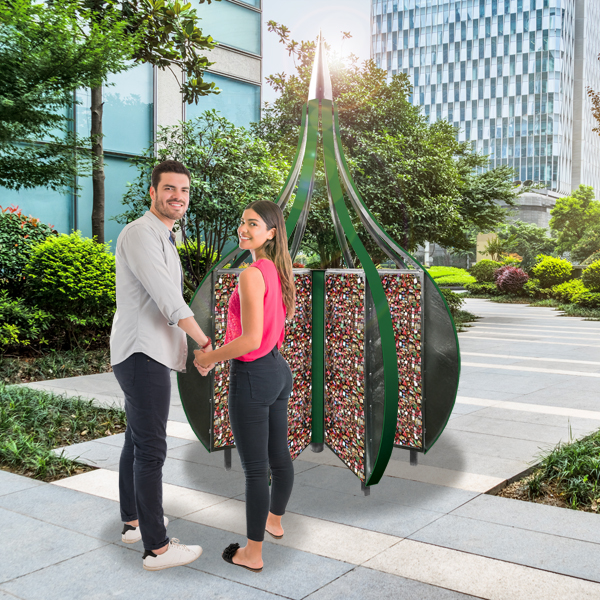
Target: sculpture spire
x=320, y=81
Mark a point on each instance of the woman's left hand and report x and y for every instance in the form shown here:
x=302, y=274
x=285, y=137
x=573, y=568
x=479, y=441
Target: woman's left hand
x=202, y=359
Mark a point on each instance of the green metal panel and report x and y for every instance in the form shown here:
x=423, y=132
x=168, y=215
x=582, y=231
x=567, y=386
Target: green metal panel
x=382, y=309
x=318, y=355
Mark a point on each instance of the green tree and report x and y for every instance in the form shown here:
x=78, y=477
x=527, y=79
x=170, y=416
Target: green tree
x=44, y=56
x=587, y=245
x=230, y=167
x=124, y=33
x=573, y=215
x=527, y=240
x=417, y=179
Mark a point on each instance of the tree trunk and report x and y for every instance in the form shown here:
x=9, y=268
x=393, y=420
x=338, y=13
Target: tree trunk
x=97, y=166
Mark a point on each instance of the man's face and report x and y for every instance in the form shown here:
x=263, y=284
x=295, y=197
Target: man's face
x=172, y=196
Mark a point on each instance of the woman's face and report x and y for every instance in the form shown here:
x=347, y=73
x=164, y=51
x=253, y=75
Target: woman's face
x=253, y=232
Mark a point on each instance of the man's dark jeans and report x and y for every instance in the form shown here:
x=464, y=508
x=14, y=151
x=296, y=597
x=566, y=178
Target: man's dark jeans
x=146, y=384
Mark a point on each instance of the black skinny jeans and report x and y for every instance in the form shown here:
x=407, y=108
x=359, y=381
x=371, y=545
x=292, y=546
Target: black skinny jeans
x=147, y=387
x=258, y=409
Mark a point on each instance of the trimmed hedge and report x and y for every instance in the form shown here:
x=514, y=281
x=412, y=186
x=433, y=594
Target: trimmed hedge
x=552, y=271
x=74, y=279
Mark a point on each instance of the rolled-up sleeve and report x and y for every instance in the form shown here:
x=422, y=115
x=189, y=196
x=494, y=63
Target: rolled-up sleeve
x=142, y=251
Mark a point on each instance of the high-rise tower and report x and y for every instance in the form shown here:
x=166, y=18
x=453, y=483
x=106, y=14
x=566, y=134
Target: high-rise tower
x=511, y=74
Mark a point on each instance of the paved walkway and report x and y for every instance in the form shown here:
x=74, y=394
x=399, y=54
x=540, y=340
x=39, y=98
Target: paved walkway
x=529, y=380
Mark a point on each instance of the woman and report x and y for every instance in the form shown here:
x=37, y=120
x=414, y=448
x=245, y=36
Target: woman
x=260, y=378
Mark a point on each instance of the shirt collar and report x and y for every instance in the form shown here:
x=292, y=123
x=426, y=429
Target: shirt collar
x=159, y=224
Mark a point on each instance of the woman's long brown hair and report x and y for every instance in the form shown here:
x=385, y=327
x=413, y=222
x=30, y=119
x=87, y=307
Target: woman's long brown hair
x=277, y=250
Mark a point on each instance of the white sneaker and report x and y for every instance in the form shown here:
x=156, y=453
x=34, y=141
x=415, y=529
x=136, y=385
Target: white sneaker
x=131, y=534
x=176, y=555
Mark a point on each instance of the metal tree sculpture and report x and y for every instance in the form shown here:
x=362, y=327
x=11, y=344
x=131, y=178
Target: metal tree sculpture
x=374, y=352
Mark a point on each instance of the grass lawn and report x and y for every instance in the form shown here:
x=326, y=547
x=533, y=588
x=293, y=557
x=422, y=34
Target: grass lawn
x=33, y=422
x=568, y=476
x=53, y=364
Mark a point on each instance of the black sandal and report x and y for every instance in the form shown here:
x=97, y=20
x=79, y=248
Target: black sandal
x=277, y=537
x=229, y=553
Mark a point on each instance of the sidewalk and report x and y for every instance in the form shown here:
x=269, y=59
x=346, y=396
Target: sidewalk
x=426, y=532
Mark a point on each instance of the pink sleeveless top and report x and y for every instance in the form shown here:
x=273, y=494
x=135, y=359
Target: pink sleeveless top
x=274, y=313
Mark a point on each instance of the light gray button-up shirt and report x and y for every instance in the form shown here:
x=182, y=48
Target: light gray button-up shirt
x=149, y=297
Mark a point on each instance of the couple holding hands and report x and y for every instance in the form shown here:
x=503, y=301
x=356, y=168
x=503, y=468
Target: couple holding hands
x=148, y=340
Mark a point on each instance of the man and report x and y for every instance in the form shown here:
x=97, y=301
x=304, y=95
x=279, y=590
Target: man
x=148, y=340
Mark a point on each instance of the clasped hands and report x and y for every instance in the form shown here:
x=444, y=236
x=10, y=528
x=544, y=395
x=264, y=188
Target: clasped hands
x=202, y=361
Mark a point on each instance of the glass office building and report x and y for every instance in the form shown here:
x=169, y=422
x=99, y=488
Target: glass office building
x=140, y=100
x=512, y=75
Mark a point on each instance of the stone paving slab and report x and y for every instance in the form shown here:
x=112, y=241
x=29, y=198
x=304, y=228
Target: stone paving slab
x=361, y=584
x=552, y=520
x=369, y=513
x=10, y=483
x=93, y=453
x=94, y=517
x=530, y=548
x=114, y=571
x=30, y=545
x=416, y=494
x=285, y=571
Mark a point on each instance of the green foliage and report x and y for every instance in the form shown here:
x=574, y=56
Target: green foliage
x=592, y=259
x=21, y=325
x=482, y=289
x=552, y=271
x=18, y=234
x=527, y=240
x=229, y=166
x=534, y=289
x=565, y=292
x=418, y=181
x=589, y=244
x=32, y=423
x=46, y=53
x=74, y=279
x=511, y=261
x=455, y=301
x=484, y=270
x=574, y=469
x=54, y=364
x=591, y=277
x=573, y=215
x=587, y=299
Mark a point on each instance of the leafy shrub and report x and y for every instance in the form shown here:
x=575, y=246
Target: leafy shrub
x=511, y=261
x=565, y=292
x=483, y=271
x=534, y=289
x=511, y=279
x=21, y=325
x=18, y=234
x=552, y=271
x=454, y=300
x=591, y=277
x=194, y=262
x=482, y=289
x=74, y=279
x=587, y=299
x=592, y=259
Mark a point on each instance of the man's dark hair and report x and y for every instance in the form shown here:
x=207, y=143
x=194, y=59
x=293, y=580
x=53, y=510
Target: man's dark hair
x=168, y=166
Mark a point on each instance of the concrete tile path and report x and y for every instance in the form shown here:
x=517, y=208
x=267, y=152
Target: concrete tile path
x=530, y=379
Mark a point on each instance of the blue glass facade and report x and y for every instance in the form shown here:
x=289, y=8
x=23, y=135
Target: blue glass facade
x=502, y=71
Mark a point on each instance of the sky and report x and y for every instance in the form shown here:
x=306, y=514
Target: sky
x=304, y=18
